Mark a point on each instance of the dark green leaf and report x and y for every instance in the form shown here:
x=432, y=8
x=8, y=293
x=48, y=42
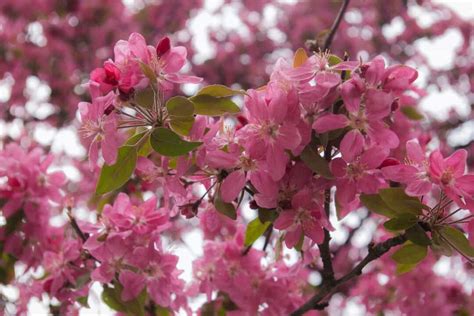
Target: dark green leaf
x=180, y=106
x=400, y=202
x=7, y=268
x=112, y=297
x=114, y=176
x=410, y=254
x=213, y=106
x=412, y=113
x=224, y=208
x=439, y=245
x=83, y=301
x=145, y=98
x=374, y=203
x=315, y=162
x=182, y=125
x=168, y=143
x=266, y=215
x=255, y=229
x=416, y=234
x=14, y=221
x=456, y=239
x=401, y=222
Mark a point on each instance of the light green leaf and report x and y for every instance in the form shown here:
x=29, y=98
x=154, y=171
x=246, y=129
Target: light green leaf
x=410, y=254
x=168, y=143
x=255, y=229
x=401, y=222
x=315, y=162
x=374, y=203
x=417, y=235
x=114, y=176
x=220, y=91
x=405, y=267
x=400, y=202
x=456, y=239
x=412, y=113
x=224, y=208
x=334, y=60
x=206, y=104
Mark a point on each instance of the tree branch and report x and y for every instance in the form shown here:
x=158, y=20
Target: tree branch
x=375, y=252
x=75, y=226
x=335, y=25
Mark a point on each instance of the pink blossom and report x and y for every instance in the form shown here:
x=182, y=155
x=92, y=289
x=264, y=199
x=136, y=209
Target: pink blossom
x=304, y=218
x=356, y=171
x=414, y=173
x=99, y=129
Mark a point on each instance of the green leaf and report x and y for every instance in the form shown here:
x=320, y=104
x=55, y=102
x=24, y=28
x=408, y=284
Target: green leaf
x=220, y=91
x=266, y=215
x=400, y=202
x=83, y=301
x=213, y=106
x=412, y=113
x=168, y=143
x=182, y=125
x=410, y=254
x=374, y=203
x=401, y=222
x=315, y=162
x=417, y=235
x=180, y=106
x=255, y=229
x=145, y=98
x=112, y=297
x=14, y=221
x=114, y=176
x=7, y=268
x=224, y=208
x=456, y=239
x=334, y=60
x=181, y=112
x=405, y=267
x=439, y=245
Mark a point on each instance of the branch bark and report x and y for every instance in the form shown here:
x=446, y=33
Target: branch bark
x=335, y=25
x=327, y=289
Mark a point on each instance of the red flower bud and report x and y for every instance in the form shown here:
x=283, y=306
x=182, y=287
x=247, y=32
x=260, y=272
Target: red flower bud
x=389, y=162
x=163, y=46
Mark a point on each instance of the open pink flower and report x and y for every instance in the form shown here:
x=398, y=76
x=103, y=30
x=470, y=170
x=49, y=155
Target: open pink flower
x=448, y=173
x=414, y=172
x=273, y=116
x=158, y=274
x=141, y=219
x=99, y=128
x=356, y=171
x=304, y=218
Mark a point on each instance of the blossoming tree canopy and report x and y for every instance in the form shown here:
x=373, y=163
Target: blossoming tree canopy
x=269, y=177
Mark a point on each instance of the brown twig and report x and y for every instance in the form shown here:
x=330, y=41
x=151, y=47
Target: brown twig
x=327, y=289
x=75, y=226
x=335, y=25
